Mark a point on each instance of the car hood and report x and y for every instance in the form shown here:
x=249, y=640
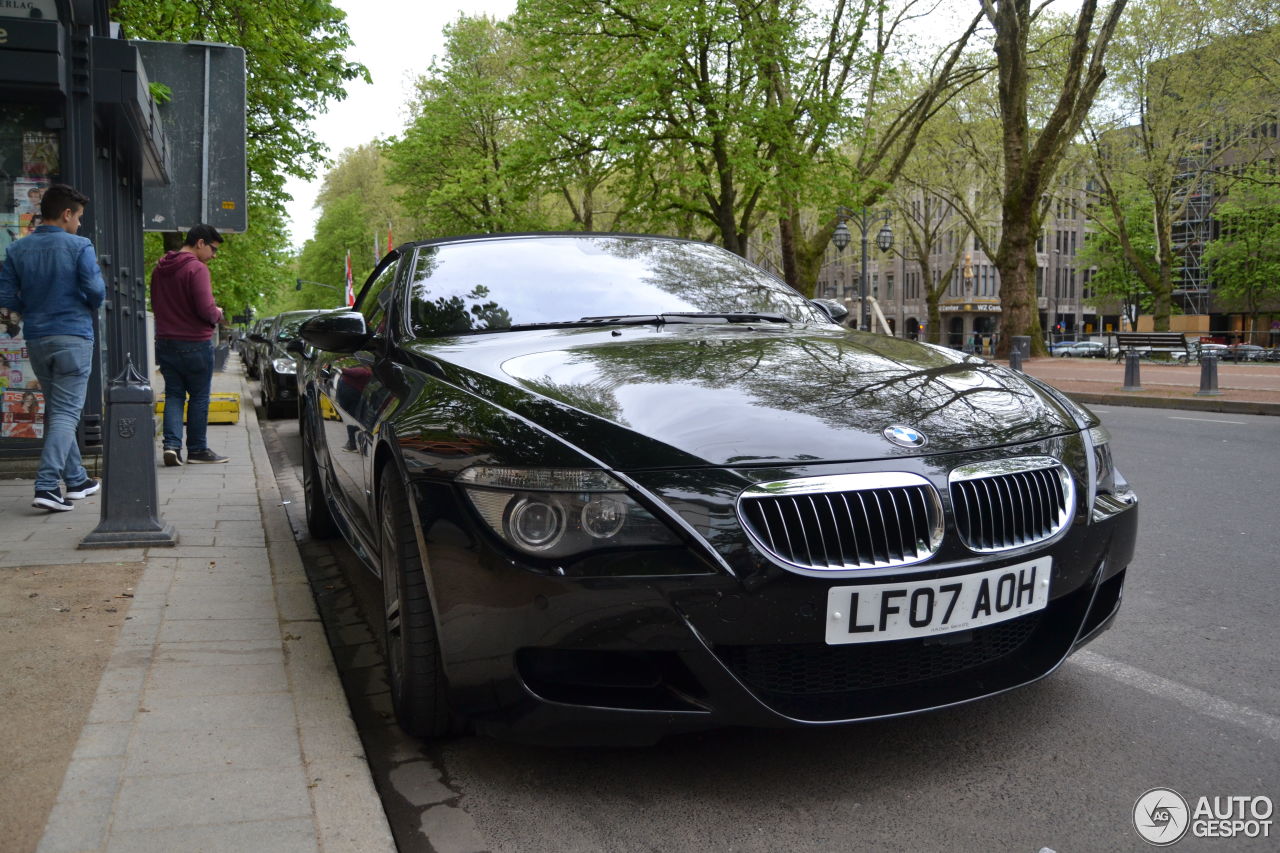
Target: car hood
x=654, y=397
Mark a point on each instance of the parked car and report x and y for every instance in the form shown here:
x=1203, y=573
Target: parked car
x=618, y=486
x=1243, y=352
x=278, y=366
x=253, y=352
x=1081, y=349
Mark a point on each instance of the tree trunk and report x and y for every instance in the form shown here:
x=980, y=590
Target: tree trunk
x=787, y=239
x=1016, y=262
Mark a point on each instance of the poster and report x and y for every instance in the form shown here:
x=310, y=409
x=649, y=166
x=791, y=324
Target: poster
x=27, y=193
x=22, y=414
x=21, y=403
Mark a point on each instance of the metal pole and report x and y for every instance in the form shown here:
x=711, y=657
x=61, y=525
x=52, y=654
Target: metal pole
x=863, y=322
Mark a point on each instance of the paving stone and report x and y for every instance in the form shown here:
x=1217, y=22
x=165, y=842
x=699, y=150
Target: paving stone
x=75, y=825
x=203, y=630
x=222, y=652
x=248, y=608
x=92, y=778
x=273, y=711
x=195, y=799
x=215, y=748
x=297, y=835
x=185, y=680
x=349, y=818
x=295, y=603
x=99, y=740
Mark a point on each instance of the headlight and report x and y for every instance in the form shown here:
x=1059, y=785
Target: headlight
x=560, y=512
x=1104, y=468
x=284, y=365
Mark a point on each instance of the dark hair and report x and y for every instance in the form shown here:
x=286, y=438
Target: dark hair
x=58, y=198
x=207, y=233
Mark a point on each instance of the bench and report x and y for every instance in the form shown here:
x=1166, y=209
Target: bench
x=1149, y=342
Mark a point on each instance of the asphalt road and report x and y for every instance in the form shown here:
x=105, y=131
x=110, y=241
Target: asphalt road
x=1184, y=692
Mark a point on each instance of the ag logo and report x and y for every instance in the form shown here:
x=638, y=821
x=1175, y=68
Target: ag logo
x=904, y=436
x=1161, y=816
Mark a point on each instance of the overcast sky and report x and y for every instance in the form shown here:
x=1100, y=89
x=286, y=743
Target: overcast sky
x=395, y=40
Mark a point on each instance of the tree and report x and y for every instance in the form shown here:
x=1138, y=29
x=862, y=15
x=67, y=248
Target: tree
x=295, y=68
x=1031, y=157
x=1245, y=259
x=1172, y=136
x=358, y=213
x=452, y=160
x=931, y=227
x=1115, y=278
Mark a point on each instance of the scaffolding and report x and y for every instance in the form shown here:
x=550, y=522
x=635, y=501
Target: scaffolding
x=1195, y=229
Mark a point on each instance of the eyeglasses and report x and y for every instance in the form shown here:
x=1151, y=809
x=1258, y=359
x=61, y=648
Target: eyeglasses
x=213, y=248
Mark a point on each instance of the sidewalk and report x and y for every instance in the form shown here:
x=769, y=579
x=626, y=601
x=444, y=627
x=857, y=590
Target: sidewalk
x=1247, y=389
x=219, y=723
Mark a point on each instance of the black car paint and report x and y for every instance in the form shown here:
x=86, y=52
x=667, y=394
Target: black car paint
x=633, y=401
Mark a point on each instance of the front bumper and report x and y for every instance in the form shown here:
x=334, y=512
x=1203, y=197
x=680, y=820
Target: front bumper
x=534, y=656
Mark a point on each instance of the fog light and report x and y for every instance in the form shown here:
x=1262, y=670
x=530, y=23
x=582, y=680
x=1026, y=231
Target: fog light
x=603, y=517
x=535, y=524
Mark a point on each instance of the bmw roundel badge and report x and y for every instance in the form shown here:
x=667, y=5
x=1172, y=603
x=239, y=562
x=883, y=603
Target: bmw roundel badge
x=905, y=436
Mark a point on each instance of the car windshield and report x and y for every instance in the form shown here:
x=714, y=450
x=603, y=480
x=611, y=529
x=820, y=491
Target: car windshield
x=514, y=282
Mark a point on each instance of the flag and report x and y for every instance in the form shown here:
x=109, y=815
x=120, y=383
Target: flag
x=351, y=287
x=390, y=244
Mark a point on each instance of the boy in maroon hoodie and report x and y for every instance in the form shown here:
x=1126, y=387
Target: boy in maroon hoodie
x=186, y=318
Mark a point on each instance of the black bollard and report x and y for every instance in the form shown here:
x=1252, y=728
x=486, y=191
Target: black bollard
x=1019, y=351
x=129, y=518
x=1132, y=381
x=1208, y=376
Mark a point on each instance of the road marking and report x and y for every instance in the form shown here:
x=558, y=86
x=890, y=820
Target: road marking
x=1189, y=697
x=1207, y=420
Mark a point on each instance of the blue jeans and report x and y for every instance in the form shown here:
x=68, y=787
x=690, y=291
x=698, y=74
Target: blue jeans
x=62, y=364
x=187, y=367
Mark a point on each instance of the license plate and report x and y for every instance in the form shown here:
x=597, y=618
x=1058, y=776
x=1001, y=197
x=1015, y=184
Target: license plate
x=899, y=611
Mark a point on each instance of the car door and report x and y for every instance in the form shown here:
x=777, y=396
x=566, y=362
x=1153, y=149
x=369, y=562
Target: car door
x=354, y=392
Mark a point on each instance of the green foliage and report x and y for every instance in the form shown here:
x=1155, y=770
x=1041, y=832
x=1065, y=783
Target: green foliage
x=160, y=93
x=451, y=161
x=295, y=68
x=357, y=209
x=1116, y=279
x=1245, y=259
x=293, y=51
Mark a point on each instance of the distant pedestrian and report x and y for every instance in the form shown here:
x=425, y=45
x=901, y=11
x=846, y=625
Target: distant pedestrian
x=186, y=318
x=52, y=279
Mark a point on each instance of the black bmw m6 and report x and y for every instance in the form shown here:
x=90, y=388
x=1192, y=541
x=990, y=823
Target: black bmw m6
x=618, y=486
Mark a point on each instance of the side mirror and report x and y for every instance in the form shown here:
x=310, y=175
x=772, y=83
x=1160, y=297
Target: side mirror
x=833, y=308
x=296, y=346
x=336, y=331
x=257, y=338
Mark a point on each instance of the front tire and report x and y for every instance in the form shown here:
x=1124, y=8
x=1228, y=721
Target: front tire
x=414, y=665
x=320, y=523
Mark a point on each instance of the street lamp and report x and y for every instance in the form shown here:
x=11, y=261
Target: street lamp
x=865, y=220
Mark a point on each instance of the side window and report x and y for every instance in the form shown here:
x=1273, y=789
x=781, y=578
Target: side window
x=376, y=299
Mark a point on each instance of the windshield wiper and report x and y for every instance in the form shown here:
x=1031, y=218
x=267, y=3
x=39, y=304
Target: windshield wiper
x=616, y=320
x=725, y=317
x=686, y=317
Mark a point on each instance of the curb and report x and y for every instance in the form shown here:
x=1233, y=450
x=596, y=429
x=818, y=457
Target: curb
x=347, y=809
x=1193, y=404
